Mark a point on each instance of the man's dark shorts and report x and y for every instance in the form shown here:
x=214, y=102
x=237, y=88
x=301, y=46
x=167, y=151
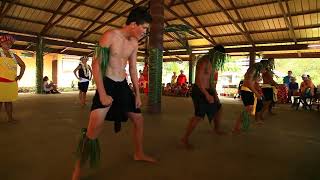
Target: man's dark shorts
x=83, y=86
x=123, y=101
x=247, y=98
x=201, y=105
x=267, y=94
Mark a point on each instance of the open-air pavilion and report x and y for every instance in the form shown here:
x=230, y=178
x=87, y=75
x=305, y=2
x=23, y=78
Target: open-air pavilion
x=42, y=145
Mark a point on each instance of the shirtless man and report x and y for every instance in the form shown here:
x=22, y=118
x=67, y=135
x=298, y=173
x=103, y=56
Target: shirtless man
x=113, y=99
x=268, y=88
x=248, y=93
x=204, y=95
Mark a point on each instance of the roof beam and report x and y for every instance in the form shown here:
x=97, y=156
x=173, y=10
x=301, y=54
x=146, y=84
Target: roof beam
x=249, y=49
x=234, y=22
x=96, y=19
x=230, y=9
x=263, y=18
x=242, y=23
x=53, y=16
x=187, y=23
x=42, y=23
x=198, y=21
x=171, y=3
x=50, y=24
x=287, y=20
x=3, y=3
x=33, y=39
x=111, y=20
x=51, y=11
x=174, y=38
x=293, y=55
x=5, y=10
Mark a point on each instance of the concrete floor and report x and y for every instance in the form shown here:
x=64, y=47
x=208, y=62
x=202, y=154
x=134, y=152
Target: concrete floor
x=41, y=146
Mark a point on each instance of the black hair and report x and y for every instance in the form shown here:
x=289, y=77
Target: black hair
x=219, y=48
x=139, y=15
x=45, y=78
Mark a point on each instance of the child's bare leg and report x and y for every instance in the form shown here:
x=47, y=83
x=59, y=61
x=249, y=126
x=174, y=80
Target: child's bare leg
x=94, y=129
x=9, y=110
x=139, y=154
x=190, y=127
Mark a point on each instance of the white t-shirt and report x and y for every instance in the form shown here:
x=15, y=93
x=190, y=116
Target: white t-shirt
x=45, y=88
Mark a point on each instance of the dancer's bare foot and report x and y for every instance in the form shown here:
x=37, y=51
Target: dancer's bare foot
x=219, y=132
x=236, y=131
x=145, y=158
x=185, y=143
x=13, y=121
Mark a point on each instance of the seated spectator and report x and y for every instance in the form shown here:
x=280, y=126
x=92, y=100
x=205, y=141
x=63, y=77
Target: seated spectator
x=49, y=88
x=293, y=89
x=167, y=89
x=184, y=90
x=306, y=84
x=287, y=79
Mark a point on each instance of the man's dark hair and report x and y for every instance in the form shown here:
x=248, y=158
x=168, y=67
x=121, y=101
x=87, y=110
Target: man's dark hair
x=139, y=15
x=219, y=48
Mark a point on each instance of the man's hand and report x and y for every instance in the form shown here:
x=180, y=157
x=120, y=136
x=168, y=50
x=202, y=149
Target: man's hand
x=106, y=100
x=18, y=78
x=210, y=99
x=138, y=102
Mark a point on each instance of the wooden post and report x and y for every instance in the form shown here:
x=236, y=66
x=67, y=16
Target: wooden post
x=156, y=55
x=39, y=66
x=252, y=59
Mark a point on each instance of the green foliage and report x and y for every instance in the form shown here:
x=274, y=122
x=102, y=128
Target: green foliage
x=298, y=67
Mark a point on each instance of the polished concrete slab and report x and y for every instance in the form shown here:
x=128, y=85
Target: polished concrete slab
x=41, y=146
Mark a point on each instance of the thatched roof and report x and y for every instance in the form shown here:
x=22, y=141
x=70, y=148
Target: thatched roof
x=73, y=26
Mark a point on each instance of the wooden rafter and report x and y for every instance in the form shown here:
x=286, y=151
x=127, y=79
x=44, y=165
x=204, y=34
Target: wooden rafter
x=50, y=25
x=187, y=23
x=229, y=9
x=257, y=48
x=287, y=20
x=233, y=21
x=96, y=19
x=198, y=21
x=171, y=3
x=63, y=2
x=242, y=23
x=3, y=3
x=313, y=11
x=179, y=3
x=111, y=20
x=5, y=10
x=174, y=38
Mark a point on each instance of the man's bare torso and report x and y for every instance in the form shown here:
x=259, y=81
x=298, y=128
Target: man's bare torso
x=121, y=49
x=204, y=78
x=267, y=78
x=249, y=79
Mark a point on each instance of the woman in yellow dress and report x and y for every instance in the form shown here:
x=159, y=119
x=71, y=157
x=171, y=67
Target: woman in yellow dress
x=8, y=74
